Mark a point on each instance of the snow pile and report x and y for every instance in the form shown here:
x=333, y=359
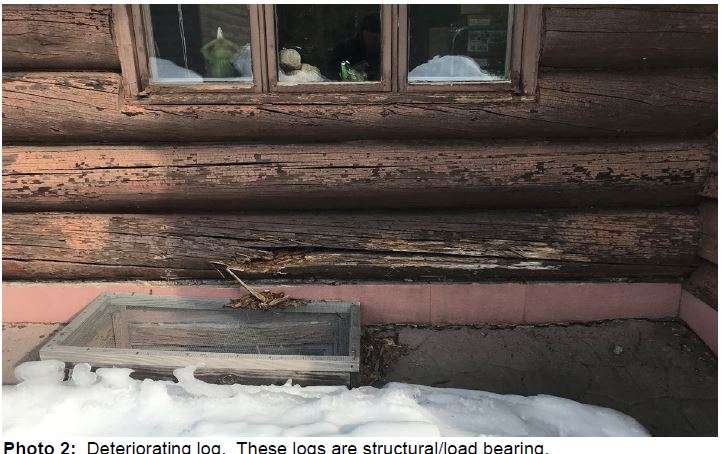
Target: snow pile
x=450, y=67
x=166, y=71
x=110, y=402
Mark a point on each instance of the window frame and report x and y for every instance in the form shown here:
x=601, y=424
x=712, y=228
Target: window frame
x=131, y=35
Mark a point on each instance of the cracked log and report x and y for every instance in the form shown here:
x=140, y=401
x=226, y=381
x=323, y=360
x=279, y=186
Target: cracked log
x=57, y=37
x=440, y=245
x=353, y=174
x=84, y=107
x=629, y=36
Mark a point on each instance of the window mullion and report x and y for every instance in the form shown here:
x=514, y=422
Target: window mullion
x=402, y=48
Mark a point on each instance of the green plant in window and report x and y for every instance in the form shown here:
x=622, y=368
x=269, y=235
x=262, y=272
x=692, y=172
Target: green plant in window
x=219, y=55
x=349, y=74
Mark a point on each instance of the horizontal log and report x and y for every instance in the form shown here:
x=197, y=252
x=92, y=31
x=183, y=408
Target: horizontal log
x=703, y=283
x=432, y=245
x=708, y=247
x=84, y=107
x=629, y=36
x=58, y=37
x=350, y=175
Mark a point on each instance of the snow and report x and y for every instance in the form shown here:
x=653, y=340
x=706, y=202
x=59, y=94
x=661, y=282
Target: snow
x=109, y=402
x=167, y=71
x=449, y=67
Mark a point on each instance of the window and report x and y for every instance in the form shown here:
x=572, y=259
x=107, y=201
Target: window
x=457, y=43
x=199, y=43
x=228, y=54
x=329, y=47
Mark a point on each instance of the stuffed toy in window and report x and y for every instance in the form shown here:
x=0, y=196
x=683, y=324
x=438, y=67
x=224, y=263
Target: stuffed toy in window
x=219, y=55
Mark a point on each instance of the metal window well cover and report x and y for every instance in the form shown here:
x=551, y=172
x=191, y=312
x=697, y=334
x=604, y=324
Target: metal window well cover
x=317, y=343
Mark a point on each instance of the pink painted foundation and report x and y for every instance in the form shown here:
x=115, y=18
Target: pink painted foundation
x=455, y=304
x=385, y=303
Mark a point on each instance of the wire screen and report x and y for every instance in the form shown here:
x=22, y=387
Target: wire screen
x=238, y=331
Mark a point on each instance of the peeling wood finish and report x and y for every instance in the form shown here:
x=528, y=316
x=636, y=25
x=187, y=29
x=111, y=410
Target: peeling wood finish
x=78, y=107
x=58, y=37
x=515, y=245
x=355, y=174
x=630, y=36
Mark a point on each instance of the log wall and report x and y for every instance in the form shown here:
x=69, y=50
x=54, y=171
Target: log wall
x=630, y=36
x=598, y=177
x=58, y=37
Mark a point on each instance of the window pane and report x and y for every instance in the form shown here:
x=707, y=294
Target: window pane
x=457, y=42
x=328, y=43
x=200, y=43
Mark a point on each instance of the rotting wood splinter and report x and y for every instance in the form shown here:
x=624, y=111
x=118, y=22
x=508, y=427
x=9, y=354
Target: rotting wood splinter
x=255, y=299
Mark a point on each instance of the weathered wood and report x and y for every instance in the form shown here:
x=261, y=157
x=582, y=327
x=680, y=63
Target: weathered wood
x=532, y=42
x=703, y=283
x=708, y=247
x=710, y=187
x=130, y=358
x=356, y=174
x=629, y=36
x=441, y=245
x=96, y=332
x=78, y=107
x=57, y=37
x=120, y=328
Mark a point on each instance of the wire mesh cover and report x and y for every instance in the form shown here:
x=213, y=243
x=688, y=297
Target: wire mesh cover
x=238, y=331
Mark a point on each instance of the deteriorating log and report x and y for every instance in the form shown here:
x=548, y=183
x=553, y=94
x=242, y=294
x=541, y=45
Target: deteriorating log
x=355, y=174
x=58, y=37
x=445, y=245
x=703, y=283
x=708, y=247
x=84, y=107
x=629, y=36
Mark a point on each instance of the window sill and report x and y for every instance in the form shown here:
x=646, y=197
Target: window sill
x=208, y=98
